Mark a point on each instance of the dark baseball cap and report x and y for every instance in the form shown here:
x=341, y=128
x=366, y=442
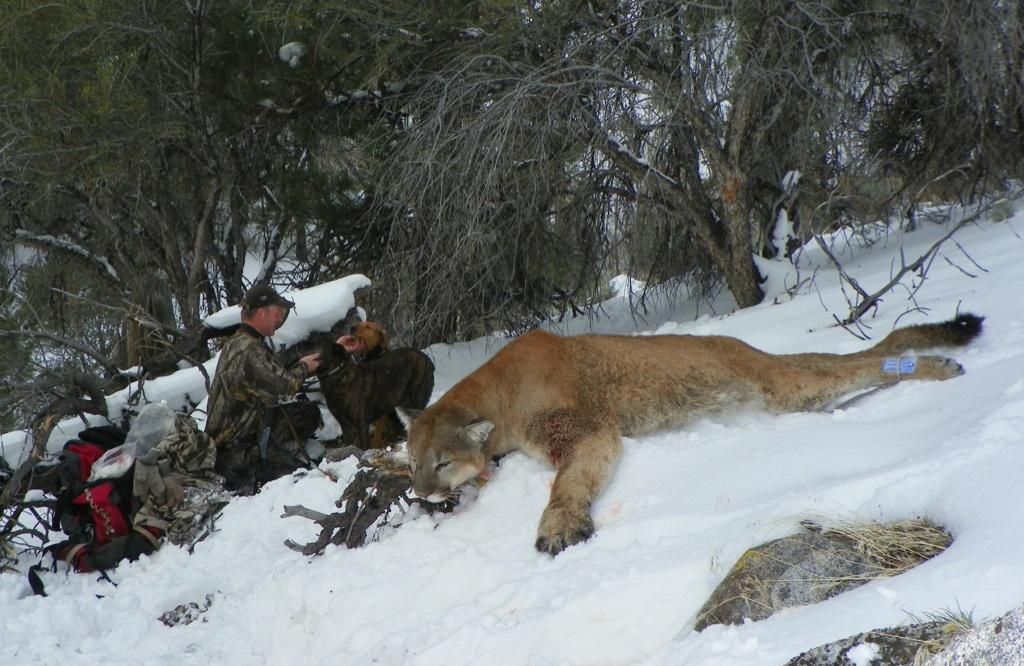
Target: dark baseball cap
x=262, y=295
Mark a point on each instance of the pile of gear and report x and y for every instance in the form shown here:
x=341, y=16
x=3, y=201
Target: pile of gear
x=122, y=494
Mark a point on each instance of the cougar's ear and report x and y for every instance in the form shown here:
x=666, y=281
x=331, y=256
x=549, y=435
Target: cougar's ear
x=478, y=431
x=407, y=415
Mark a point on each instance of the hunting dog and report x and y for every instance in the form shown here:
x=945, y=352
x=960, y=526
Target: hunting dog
x=363, y=392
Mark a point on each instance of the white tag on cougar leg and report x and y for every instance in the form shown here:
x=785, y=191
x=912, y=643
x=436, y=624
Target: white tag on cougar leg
x=906, y=365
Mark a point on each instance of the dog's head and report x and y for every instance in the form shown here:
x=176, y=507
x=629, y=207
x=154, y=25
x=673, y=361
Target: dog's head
x=333, y=359
x=373, y=336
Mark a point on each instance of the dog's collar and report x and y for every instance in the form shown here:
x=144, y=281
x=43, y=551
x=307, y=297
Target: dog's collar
x=335, y=370
x=332, y=371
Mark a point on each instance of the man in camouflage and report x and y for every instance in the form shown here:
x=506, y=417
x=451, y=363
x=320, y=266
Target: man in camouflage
x=247, y=399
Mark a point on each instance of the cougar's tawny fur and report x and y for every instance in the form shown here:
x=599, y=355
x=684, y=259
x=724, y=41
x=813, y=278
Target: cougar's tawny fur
x=567, y=400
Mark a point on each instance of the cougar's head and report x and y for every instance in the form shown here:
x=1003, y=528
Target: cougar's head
x=445, y=450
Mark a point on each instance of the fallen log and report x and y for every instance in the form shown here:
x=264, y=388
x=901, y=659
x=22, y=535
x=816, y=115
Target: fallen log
x=377, y=496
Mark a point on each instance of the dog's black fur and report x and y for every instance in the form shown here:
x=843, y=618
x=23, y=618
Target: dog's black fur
x=359, y=393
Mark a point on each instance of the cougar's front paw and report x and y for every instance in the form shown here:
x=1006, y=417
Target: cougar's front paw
x=561, y=528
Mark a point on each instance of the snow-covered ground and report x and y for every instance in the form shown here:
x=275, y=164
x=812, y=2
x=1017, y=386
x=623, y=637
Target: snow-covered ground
x=468, y=588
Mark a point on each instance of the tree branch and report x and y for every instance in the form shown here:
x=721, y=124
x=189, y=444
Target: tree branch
x=868, y=301
x=109, y=367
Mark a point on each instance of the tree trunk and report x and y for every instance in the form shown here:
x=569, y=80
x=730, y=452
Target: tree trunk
x=738, y=268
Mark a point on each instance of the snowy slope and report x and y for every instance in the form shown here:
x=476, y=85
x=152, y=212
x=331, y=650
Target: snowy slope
x=470, y=589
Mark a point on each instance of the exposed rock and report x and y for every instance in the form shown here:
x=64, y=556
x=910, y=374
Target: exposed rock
x=817, y=564
x=791, y=571
x=999, y=642
x=897, y=646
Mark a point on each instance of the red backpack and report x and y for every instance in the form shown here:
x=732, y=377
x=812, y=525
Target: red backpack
x=90, y=513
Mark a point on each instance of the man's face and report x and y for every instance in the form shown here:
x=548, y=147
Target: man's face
x=268, y=319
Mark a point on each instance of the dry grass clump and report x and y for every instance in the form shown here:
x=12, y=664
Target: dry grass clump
x=896, y=547
x=954, y=623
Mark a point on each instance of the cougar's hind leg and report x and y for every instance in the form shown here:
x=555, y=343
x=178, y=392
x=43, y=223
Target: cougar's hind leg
x=812, y=384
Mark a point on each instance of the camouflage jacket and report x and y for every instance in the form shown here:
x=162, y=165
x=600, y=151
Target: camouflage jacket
x=248, y=380
x=175, y=484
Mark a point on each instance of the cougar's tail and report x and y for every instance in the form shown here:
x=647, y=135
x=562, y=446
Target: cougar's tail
x=956, y=332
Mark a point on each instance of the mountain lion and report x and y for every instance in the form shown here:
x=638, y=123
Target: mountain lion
x=567, y=400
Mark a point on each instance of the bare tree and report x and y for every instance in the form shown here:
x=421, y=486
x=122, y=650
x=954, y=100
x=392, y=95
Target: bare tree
x=487, y=165
x=668, y=137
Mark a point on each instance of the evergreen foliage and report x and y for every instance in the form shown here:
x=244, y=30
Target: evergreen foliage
x=488, y=164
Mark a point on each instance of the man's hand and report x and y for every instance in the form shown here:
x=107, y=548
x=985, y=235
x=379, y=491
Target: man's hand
x=312, y=361
x=352, y=344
